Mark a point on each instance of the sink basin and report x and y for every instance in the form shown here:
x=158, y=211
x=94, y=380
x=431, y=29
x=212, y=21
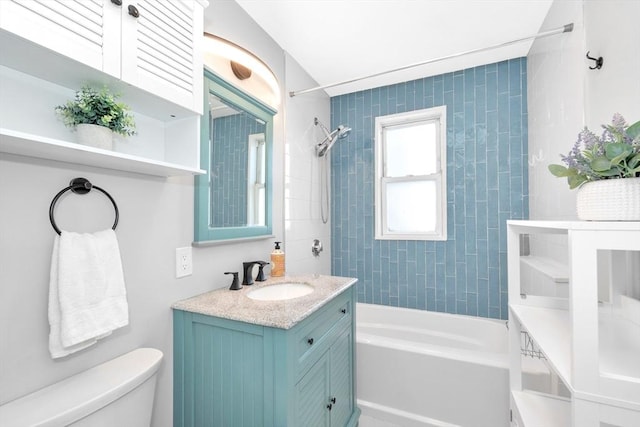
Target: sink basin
x=281, y=291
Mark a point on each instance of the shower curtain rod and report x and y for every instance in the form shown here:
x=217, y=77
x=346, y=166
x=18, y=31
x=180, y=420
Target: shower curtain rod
x=564, y=29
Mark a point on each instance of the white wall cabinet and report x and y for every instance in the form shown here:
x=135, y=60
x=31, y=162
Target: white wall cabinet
x=149, y=44
x=50, y=49
x=593, y=346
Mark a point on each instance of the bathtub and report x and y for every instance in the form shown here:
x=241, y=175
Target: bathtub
x=421, y=368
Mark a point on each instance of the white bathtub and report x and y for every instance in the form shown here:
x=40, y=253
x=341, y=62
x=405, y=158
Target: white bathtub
x=420, y=368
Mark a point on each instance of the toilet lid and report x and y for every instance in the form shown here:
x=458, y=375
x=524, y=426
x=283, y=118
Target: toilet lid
x=76, y=397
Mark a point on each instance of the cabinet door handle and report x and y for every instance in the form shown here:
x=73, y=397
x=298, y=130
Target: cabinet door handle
x=133, y=11
x=329, y=406
x=333, y=400
x=310, y=341
x=343, y=310
x=117, y=2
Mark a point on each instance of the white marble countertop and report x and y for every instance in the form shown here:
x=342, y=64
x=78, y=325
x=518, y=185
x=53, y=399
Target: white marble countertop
x=283, y=314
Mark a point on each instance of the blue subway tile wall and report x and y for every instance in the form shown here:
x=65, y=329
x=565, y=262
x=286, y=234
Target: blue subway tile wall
x=486, y=185
x=229, y=168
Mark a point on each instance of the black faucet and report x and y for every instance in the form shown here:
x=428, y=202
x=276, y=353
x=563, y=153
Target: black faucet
x=247, y=268
x=235, y=285
x=261, y=277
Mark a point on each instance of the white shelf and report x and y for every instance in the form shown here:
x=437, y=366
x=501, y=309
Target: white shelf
x=25, y=144
x=555, y=270
x=562, y=227
x=551, y=332
x=168, y=135
x=536, y=409
x=619, y=347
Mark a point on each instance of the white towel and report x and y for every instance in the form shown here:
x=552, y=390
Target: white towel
x=87, y=295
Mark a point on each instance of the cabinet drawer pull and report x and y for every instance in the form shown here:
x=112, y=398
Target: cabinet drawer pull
x=133, y=11
x=310, y=341
x=117, y=2
x=343, y=310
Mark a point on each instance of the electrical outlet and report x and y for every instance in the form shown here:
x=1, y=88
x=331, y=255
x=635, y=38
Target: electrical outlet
x=184, y=262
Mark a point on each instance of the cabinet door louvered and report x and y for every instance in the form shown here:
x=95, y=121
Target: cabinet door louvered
x=342, y=378
x=159, y=49
x=74, y=28
x=312, y=396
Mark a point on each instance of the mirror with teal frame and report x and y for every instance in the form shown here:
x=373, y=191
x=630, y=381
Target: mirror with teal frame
x=233, y=198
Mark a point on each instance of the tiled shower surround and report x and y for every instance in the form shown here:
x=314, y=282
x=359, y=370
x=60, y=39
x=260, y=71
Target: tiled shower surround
x=486, y=185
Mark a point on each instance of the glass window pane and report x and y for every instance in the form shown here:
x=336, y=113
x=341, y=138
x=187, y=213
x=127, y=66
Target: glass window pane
x=410, y=150
x=411, y=206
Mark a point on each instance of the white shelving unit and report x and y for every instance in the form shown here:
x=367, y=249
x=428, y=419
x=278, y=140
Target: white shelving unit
x=45, y=60
x=593, y=347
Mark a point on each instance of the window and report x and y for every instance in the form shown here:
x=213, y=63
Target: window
x=411, y=188
x=256, y=180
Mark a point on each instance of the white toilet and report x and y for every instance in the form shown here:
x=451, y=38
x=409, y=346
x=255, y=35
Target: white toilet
x=117, y=392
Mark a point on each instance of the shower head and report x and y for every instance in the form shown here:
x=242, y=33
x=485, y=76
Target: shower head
x=340, y=132
x=343, y=131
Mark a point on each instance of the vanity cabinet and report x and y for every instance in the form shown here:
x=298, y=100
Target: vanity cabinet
x=324, y=393
x=52, y=48
x=233, y=373
x=152, y=45
x=590, y=338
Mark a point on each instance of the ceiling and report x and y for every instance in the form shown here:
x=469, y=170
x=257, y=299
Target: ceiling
x=339, y=40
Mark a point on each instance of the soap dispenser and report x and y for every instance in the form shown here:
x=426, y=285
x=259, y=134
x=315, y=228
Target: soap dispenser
x=277, y=261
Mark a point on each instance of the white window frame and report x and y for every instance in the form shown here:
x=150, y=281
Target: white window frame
x=439, y=115
x=255, y=179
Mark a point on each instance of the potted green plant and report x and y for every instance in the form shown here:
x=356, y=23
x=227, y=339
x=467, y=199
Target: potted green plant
x=96, y=115
x=606, y=171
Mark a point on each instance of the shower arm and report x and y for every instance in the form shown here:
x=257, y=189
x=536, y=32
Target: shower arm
x=324, y=129
x=329, y=136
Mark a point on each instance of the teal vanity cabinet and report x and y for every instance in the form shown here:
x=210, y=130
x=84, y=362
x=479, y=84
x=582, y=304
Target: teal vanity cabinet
x=236, y=373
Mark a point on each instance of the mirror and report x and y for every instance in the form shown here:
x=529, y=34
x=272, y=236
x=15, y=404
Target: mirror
x=233, y=199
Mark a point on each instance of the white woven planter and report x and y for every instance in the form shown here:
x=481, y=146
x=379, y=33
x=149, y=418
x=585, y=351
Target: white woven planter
x=95, y=136
x=609, y=200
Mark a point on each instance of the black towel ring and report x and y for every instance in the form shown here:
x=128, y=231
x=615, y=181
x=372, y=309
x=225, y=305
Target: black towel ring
x=80, y=186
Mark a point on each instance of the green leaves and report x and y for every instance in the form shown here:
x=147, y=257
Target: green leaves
x=573, y=177
x=576, y=181
x=616, y=154
x=97, y=107
x=617, y=150
x=633, y=131
x=560, y=171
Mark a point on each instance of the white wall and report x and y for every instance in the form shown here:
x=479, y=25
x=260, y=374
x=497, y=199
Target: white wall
x=298, y=201
x=555, y=91
x=156, y=217
x=303, y=222
x=612, y=31
x=564, y=95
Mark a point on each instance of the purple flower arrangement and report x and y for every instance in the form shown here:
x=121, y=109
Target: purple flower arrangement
x=615, y=154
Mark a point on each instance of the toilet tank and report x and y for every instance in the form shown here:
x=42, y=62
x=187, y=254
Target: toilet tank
x=117, y=392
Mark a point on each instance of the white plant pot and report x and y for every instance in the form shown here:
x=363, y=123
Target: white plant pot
x=609, y=200
x=95, y=136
